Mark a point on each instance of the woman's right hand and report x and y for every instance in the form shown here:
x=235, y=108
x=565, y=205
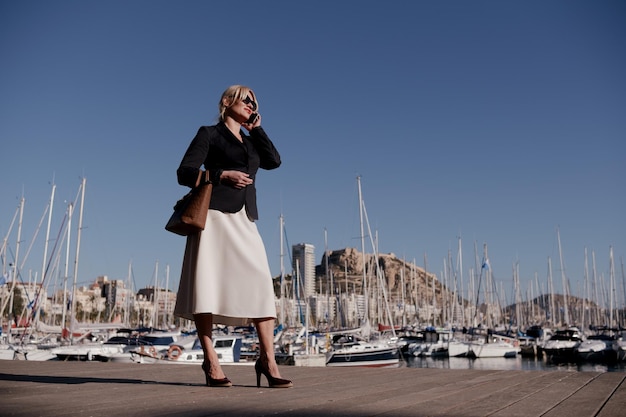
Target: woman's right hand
x=236, y=179
x=250, y=126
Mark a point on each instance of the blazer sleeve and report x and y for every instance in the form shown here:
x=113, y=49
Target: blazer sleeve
x=270, y=158
x=194, y=157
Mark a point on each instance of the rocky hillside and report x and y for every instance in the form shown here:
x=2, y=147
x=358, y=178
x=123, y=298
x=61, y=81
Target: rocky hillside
x=345, y=266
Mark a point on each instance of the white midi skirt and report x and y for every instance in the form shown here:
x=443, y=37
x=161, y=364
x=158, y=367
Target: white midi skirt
x=225, y=272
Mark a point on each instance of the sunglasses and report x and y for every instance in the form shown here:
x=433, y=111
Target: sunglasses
x=249, y=101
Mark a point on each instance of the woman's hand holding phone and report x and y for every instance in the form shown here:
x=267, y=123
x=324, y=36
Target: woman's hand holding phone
x=253, y=121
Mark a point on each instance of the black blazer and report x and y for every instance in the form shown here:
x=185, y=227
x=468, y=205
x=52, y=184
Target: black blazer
x=218, y=150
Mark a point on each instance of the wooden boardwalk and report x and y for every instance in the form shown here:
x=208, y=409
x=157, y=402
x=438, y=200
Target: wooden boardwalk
x=53, y=388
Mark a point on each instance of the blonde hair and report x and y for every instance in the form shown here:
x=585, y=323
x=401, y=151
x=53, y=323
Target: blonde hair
x=231, y=95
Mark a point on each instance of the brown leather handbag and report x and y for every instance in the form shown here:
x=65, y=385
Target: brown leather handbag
x=190, y=212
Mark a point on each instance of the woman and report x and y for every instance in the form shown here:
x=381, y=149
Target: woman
x=225, y=276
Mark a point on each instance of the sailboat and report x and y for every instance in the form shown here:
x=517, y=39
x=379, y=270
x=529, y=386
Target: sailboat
x=26, y=345
x=481, y=342
x=491, y=345
x=352, y=350
x=347, y=348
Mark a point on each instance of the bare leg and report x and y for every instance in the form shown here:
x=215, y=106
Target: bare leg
x=204, y=324
x=265, y=330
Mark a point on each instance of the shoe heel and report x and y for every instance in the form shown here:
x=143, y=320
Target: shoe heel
x=271, y=381
x=210, y=382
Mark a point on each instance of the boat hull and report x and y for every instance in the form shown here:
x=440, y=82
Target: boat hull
x=560, y=354
x=595, y=351
x=380, y=358
x=457, y=349
x=620, y=353
x=563, y=346
x=492, y=350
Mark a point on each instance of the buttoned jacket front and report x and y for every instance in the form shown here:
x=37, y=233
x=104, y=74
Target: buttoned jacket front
x=219, y=150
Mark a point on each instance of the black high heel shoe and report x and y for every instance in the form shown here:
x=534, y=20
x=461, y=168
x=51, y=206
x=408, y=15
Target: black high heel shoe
x=272, y=381
x=211, y=382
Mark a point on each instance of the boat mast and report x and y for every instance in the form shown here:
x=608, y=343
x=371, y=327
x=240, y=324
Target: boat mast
x=15, y=271
x=477, y=276
x=586, y=290
x=365, y=292
x=45, y=247
x=564, y=281
x=329, y=282
x=621, y=319
x=45, y=254
x=70, y=211
x=80, y=229
x=447, y=270
x=483, y=267
x=381, y=281
x=612, y=284
x=414, y=290
x=128, y=293
x=347, y=297
x=155, y=296
x=460, y=270
x=540, y=294
x=282, y=269
x=403, y=292
x=518, y=295
x=434, y=302
x=489, y=286
x=595, y=288
x=167, y=295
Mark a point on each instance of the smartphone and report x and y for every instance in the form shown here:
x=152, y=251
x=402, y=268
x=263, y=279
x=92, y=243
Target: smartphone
x=252, y=118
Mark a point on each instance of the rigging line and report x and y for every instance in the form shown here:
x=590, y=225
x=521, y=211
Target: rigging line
x=287, y=241
x=132, y=274
x=6, y=239
x=494, y=289
x=379, y=275
x=54, y=248
x=53, y=254
x=32, y=242
x=60, y=238
x=18, y=275
x=28, y=299
x=480, y=278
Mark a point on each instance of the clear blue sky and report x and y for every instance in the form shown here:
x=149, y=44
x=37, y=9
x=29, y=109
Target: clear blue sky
x=497, y=122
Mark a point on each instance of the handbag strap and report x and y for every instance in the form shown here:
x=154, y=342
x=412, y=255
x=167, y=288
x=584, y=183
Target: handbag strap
x=203, y=177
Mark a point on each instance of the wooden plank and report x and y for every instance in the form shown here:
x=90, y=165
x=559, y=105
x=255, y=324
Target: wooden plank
x=460, y=398
x=105, y=389
x=506, y=395
x=616, y=404
x=334, y=395
x=589, y=398
x=558, y=386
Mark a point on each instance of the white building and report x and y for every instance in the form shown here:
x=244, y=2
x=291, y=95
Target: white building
x=303, y=255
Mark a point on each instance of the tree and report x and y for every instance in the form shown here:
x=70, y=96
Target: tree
x=18, y=305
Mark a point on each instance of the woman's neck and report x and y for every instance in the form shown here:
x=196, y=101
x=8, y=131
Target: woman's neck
x=234, y=127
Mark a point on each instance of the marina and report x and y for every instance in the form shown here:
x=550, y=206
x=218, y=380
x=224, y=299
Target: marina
x=460, y=350
x=54, y=388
